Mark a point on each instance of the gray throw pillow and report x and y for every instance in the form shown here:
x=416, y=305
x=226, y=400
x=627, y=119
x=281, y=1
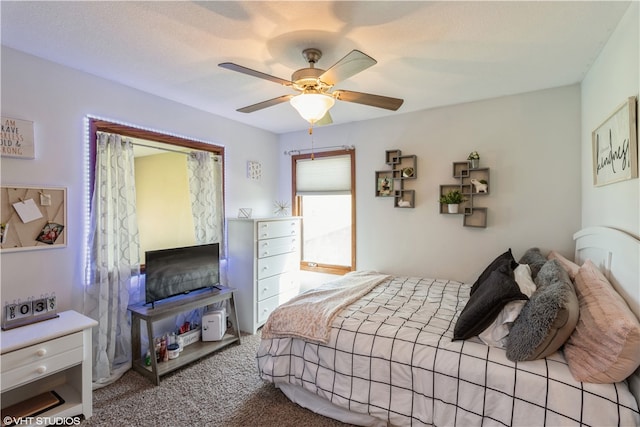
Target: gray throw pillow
x=535, y=259
x=547, y=319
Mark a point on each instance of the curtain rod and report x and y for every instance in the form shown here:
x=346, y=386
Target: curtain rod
x=160, y=148
x=187, y=153
x=301, y=150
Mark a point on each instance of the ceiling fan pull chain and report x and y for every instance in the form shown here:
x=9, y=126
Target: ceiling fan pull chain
x=311, y=133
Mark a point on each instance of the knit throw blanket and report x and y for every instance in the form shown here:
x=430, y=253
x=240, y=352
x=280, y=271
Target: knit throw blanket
x=310, y=314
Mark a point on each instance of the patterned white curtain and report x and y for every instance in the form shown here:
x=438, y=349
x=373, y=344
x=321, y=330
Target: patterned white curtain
x=205, y=185
x=114, y=266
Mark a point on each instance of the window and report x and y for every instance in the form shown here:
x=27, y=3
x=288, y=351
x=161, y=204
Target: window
x=324, y=195
x=182, y=226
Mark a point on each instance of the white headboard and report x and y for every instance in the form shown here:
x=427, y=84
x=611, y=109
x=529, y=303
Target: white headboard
x=617, y=254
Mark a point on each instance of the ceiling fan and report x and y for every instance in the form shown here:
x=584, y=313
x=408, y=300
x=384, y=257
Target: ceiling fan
x=315, y=84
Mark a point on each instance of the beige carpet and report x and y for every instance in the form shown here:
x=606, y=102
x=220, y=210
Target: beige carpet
x=220, y=390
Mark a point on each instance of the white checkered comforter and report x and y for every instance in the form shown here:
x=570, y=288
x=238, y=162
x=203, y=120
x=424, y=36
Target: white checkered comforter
x=391, y=356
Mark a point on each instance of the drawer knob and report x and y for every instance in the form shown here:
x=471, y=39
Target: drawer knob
x=265, y=253
x=41, y=352
x=42, y=369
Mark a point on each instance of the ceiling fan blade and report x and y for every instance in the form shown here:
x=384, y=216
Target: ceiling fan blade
x=325, y=120
x=369, y=99
x=265, y=104
x=352, y=64
x=244, y=70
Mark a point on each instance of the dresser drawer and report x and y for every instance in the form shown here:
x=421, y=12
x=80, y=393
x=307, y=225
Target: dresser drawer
x=271, y=229
x=266, y=307
x=277, y=264
x=276, y=284
x=40, y=368
x=280, y=245
x=40, y=352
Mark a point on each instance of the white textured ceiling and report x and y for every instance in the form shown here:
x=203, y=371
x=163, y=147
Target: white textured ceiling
x=429, y=53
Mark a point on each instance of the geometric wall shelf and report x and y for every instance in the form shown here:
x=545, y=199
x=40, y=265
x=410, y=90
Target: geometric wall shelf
x=471, y=182
x=390, y=183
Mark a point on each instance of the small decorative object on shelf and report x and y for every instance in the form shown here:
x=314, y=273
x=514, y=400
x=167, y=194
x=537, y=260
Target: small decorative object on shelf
x=392, y=182
x=404, y=199
x=385, y=186
x=244, y=213
x=474, y=158
x=281, y=208
x=452, y=199
x=480, y=185
x=407, y=172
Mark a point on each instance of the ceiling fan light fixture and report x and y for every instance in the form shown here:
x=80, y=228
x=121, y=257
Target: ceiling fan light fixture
x=312, y=106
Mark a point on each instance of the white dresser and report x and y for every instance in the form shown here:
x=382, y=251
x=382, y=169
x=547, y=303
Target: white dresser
x=263, y=265
x=52, y=355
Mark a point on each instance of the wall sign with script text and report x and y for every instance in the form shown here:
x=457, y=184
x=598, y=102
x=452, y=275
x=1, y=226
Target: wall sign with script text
x=615, y=146
x=17, y=139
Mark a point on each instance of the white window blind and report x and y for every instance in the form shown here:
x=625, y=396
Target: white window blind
x=324, y=175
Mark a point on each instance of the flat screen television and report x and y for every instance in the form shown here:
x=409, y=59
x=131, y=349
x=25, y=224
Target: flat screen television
x=176, y=271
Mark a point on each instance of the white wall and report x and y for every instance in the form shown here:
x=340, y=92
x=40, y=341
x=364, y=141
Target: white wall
x=57, y=99
x=614, y=77
x=530, y=141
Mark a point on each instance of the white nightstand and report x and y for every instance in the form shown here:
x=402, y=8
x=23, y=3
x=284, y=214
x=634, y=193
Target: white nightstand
x=50, y=355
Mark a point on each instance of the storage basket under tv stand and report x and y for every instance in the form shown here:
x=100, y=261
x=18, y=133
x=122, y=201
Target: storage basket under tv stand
x=172, y=307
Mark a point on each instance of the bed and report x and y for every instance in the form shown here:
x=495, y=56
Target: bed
x=380, y=351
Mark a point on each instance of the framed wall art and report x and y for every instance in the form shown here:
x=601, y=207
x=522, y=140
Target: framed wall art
x=254, y=170
x=17, y=139
x=32, y=218
x=615, y=146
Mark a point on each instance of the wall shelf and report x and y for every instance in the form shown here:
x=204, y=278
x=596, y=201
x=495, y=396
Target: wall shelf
x=472, y=183
x=404, y=199
x=391, y=183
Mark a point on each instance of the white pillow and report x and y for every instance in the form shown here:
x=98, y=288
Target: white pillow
x=496, y=334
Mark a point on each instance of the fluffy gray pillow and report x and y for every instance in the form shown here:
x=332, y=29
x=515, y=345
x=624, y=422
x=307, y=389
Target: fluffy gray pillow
x=550, y=272
x=535, y=259
x=547, y=319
